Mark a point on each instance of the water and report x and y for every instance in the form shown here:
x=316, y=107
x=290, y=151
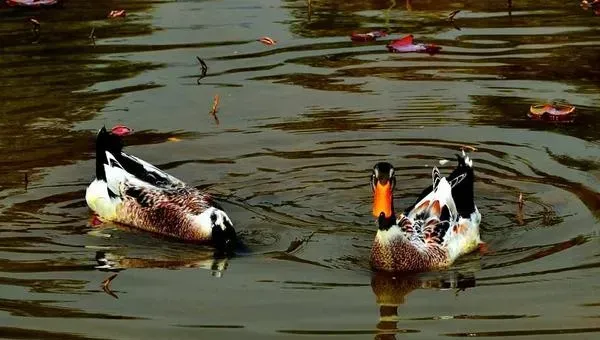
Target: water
x=300, y=124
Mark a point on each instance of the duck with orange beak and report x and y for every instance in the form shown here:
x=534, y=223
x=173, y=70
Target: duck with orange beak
x=442, y=225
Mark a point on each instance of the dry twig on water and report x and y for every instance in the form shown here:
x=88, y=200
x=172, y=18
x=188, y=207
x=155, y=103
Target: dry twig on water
x=469, y=147
x=452, y=15
x=204, y=69
x=215, y=108
x=35, y=29
x=92, y=36
x=520, y=201
x=106, y=286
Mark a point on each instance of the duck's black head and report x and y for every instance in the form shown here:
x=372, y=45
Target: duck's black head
x=223, y=234
x=383, y=182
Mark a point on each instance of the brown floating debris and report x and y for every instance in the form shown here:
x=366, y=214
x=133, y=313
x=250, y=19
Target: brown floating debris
x=267, y=41
x=106, y=286
x=118, y=13
x=215, y=108
x=204, y=69
x=370, y=36
x=549, y=112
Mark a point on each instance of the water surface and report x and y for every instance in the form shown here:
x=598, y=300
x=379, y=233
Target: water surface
x=300, y=125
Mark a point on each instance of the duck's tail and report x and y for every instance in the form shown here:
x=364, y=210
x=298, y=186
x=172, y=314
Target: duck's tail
x=461, y=180
x=106, y=141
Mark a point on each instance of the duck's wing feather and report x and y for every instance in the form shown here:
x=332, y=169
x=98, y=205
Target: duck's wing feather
x=431, y=217
x=441, y=205
x=148, y=172
x=461, y=182
x=155, y=188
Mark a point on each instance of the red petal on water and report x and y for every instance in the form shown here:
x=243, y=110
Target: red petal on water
x=121, y=130
x=408, y=40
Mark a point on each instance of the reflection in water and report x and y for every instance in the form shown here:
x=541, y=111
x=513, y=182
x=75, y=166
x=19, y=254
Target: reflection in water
x=300, y=123
x=391, y=289
x=206, y=260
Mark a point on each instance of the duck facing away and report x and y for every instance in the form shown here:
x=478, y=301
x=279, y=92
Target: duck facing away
x=442, y=225
x=133, y=192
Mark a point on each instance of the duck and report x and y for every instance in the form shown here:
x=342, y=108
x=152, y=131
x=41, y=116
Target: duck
x=442, y=225
x=130, y=191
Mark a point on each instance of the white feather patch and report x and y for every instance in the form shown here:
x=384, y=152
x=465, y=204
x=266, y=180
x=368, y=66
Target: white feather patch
x=100, y=202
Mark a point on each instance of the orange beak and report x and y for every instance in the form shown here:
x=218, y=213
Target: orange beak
x=382, y=200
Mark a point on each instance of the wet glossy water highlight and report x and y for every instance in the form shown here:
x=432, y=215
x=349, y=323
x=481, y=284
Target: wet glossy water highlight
x=300, y=124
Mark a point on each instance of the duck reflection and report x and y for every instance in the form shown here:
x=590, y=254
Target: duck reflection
x=391, y=289
x=111, y=262
x=114, y=263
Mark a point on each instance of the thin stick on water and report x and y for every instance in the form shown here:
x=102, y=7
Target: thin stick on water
x=106, y=286
x=215, y=108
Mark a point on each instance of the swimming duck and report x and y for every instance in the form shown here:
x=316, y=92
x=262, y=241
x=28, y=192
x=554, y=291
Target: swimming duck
x=133, y=192
x=442, y=225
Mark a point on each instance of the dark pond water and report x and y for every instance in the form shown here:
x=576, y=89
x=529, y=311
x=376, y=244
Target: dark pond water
x=300, y=125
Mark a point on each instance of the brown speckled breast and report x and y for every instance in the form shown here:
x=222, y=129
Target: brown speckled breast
x=400, y=256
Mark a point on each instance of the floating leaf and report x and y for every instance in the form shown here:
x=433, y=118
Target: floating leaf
x=406, y=45
x=548, y=112
x=267, y=41
x=121, y=130
x=119, y=13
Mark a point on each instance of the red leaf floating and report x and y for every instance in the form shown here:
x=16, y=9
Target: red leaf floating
x=406, y=45
x=408, y=40
x=119, y=13
x=121, y=130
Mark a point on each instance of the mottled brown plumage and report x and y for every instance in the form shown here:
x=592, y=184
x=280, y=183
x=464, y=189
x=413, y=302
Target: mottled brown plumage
x=165, y=212
x=131, y=191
